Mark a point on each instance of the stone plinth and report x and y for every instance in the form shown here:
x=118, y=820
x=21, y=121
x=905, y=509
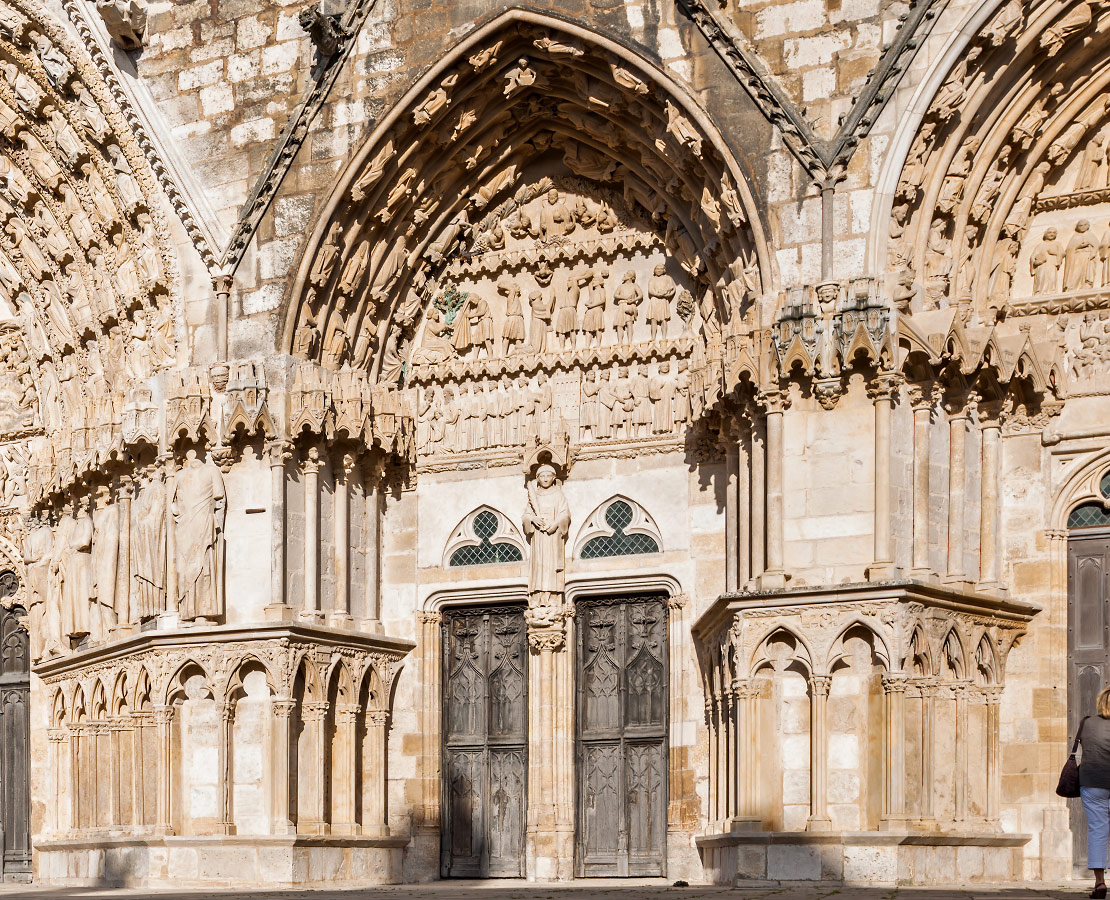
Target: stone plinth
x=872, y=858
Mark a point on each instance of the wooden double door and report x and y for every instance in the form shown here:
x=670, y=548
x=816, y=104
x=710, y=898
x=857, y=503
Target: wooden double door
x=1088, y=646
x=621, y=739
x=15, y=740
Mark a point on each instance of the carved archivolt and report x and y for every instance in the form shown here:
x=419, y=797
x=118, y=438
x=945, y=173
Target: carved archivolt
x=536, y=163
x=1002, y=204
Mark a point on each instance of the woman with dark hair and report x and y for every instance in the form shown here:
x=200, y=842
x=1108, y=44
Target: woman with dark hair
x=1094, y=788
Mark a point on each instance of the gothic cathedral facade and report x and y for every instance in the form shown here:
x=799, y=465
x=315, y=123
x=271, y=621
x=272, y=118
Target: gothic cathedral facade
x=550, y=441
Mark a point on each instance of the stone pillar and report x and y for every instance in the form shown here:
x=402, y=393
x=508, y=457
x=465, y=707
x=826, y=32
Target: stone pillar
x=280, y=750
x=726, y=758
x=345, y=766
x=56, y=738
x=75, y=777
x=123, y=563
x=732, y=515
x=372, y=525
x=278, y=609
x=992, y=696
x=679, y=817
x=550, y=832
x=989, y=563
x=928, y=690
x=882, y=393
x=115, y=772
x=340, y=615
x=957, y=439
x=758, y=498
x=311, y=819
x=431, y=644
x=311, y=467
x=375, y=821
x=744, y=511
x=818, y=753
x=224, y=822
x=138, y=766
x=775, y=574
x=894, y=781
x=961, y=692
x=921, y=398
x=747, y=738
x=163, y=718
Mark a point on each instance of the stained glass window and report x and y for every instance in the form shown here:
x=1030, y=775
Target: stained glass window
x=484, y=527
x=618, y=517
x=1089, y=515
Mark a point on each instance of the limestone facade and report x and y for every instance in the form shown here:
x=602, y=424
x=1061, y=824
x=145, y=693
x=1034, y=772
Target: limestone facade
x=448, y=440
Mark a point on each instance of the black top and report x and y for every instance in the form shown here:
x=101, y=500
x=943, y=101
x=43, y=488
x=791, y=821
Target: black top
x=1095, y=768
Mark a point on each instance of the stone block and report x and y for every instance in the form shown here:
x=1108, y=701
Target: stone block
x=793, y=862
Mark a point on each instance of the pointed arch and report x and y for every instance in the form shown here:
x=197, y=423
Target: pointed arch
x=58, y=710
x=525, y=86
x=954, y=655
x=484, y=535
x=860, y=629
x=618, y=527
x=177, y=687
x=143, y=700
x=249, y=663
x=782, y=647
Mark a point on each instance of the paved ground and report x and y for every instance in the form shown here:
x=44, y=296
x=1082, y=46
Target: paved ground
x=584, y=890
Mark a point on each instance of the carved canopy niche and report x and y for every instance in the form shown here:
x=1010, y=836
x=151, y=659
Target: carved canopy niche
x=537, y=173
x=1009, y=158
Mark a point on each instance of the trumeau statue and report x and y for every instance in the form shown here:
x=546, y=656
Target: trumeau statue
x=198, y=507
x=546, y=523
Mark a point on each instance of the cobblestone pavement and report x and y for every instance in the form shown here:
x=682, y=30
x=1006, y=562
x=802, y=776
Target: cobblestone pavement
x=583, y=890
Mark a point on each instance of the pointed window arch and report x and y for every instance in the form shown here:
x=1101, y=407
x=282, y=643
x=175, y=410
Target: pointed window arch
x=618, y=527
x=484, y=537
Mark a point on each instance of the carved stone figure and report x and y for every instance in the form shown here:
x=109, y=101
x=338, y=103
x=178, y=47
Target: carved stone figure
x=128, y=188
x=593, y=320
x=474, y=327
x=684, y=132
x=73, y=579
x=1077, y=18
x=1080, y=259
x=125, y=21
x=306, y=342
x=627, y=299
x=519, y=77
x=566, y=314
x=373, y=172
x=42, y=605
x=512, y=331
x=662, y=396
x=542, y=312
x=198, y=507
x=1092, y=165
x=148, y=547
x=1044, y=263
x=546, y=524
x=661, y=290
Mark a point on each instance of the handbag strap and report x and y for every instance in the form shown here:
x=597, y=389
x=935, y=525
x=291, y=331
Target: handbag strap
x=1078, y=735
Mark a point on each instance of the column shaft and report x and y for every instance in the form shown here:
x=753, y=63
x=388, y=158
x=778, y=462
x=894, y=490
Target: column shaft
x=732, y=512
x=989, y=569
x=960, y=776
x=957, y=437
x=346, y=768
x=375, y=820
x=759, y=498
x=280, y=750
x=341, y=611
x=312, y=536
x=818, y=753
x=278, y=609
x=775, y=575
x=922, y=425
x=894, y=787
x=163, y=716
x=224, y=822
x=372, y=524
x=883, y=395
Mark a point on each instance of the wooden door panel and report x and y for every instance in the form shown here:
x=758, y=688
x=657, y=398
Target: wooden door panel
x=15, y=739
x=485, y=742
x=622, y=737
x=1088, y=646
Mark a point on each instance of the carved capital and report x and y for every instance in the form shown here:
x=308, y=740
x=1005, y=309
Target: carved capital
x=678, y=601
x=894, y=684
x=377, y=717
x=921, y=396
x=430, y=617
x=163, y=715
x=884, y=387
x=278, y=453
x=314, y=709
x=550, y=639
x=774, y=401
x=819, y=685
x=311, y=461
x=283, y=708
x=828, y=391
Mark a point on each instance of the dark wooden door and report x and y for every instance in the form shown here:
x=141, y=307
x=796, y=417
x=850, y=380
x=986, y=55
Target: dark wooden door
x=622, y=736
x=1088, y=645
x=15, y=739
x=485, y=728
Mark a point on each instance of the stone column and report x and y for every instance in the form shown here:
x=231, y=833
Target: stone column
x=747, y=737
x=123, y=563
x=163, y=718
x=311, y=819
x=344, y=764
x=280, y=749
x=882, y=392
x=928, y=750
x=372, y=524
x=311, y=467
x=989, y=568
x=431, y=644
x=678, y=814
x=115, y=771
x=75, y=777
x=224, y=822
x=726, y=757
x=894, y=782
x=375, y=821
x=340, y=615
x=732, y=514
x=278, y=609
x=775, y=575
x=921, y=398
x=818, y=753
x=957, y=438
x=992, y=696
x=758, y=497
x=961, y=692
x=138, y=766
x=169, y=619
x=550, y=832
x=56, y=738
x=744, y=510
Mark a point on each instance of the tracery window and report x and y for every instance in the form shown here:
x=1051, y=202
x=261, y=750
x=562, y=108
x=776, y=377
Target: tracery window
x=618, y=527
x=1093, y=514
x=484, y=537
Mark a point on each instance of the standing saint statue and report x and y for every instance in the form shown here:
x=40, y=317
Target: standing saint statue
x=546, y=523
x=198, y=508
